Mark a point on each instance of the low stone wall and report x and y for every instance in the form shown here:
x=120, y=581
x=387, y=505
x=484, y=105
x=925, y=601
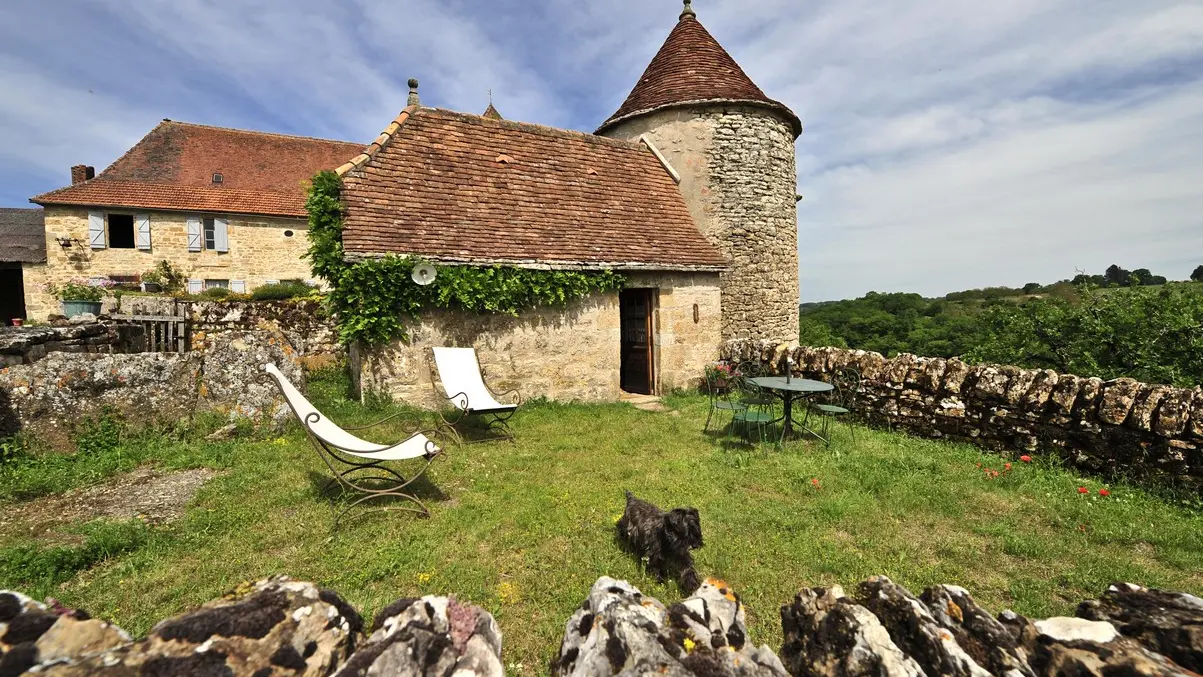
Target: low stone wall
x=48, y=399
x=25, y=345
x=280, y=626
x=1118, y=428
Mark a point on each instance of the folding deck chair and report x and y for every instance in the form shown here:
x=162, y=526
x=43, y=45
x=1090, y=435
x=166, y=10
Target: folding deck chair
x=458, y=369
x=357, y=465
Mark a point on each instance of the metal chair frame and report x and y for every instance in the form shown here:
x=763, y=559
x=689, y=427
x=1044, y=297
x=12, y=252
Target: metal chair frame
x=757, y=409
x=496, y=420
x=840, y=402
x=720, y=399
x=391, y=485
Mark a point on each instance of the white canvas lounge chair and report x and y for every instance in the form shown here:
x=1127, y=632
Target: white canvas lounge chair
x=458, y=369
x=357, y=465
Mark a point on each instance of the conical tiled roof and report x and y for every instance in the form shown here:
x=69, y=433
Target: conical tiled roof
x=692, y=67
x=492, y=113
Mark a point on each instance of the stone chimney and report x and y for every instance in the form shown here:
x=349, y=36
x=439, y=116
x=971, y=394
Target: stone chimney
x=81, y=173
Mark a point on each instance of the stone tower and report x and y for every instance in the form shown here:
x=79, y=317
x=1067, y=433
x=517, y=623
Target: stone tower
x=734, y=149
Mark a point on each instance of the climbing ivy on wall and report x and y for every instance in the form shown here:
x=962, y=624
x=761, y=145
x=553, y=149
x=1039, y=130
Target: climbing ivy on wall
x=373, y=298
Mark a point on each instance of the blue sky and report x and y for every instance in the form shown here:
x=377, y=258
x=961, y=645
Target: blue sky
x=948, y=144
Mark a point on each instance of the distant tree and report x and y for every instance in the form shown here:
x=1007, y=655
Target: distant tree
x=1032, y=287
x=1092, y=280
x=1157, y=280
x=1197, y=276
x=1143, y=276
x=1116, y=276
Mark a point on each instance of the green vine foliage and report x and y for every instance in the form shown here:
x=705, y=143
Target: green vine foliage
x=374, y=298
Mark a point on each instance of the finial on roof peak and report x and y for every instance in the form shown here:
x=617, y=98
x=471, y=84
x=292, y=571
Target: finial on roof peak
x=413, y=93
x=688, y=12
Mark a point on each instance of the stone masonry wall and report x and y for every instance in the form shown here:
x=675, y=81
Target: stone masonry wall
x=739, y=178
x=259, y=251
x=280, y=626
x=570, y=353
x=1120, y=427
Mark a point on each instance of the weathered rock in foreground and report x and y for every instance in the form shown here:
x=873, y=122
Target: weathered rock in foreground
x=887, y=631
x=283, y=627
x=619, y=631
x=429, y=636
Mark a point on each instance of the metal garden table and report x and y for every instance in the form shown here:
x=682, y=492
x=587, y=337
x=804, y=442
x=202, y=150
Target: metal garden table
x=788, y=391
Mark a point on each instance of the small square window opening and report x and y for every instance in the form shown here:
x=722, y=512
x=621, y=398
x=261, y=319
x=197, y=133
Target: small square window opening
x=121, y=231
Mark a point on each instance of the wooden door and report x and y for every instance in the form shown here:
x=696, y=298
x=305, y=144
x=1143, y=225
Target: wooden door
x=638, y=361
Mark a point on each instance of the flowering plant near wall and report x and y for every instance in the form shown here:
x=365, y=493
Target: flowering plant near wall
x=722, y=374
x=81, y=290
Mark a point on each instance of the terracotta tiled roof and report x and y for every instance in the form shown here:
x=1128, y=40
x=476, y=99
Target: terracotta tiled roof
x=458, y=187
x=172, y=168
x=692, y=67
x=22, y=236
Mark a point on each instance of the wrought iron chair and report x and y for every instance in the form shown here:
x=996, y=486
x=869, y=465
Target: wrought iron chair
x=757, y=409
x=841, y=402
x=464, y=387
x=723, y=393
x=751, y=395
x=358, y=465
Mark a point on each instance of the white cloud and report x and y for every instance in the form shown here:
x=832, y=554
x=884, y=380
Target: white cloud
x=948, y=144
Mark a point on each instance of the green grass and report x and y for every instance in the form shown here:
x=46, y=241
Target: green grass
x=525, y=529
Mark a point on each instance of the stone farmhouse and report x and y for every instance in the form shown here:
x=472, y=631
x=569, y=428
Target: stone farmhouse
x=688, y=189
x=224, y=206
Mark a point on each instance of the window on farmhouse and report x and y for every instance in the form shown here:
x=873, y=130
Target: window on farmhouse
x=210, y=234
x=121, y=231
x=217, y=284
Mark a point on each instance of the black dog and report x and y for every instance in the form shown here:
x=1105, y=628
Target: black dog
x=665, y=538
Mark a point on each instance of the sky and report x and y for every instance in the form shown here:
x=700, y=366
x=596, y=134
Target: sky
x=948, y=144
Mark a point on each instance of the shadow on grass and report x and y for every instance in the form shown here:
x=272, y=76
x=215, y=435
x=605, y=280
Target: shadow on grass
x=326, y=488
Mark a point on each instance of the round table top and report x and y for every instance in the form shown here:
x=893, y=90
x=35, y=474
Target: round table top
x=797, y=385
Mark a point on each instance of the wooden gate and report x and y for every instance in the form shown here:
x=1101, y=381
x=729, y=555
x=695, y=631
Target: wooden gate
x=164, y=333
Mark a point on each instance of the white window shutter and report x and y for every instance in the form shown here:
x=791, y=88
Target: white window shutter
x=195, y=243
x=96, y=237
x=221, y=236
x=196, y=286
x=142, y=221
x=271, y=282
x=238, y=286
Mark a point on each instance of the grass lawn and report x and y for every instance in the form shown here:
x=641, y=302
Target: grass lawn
x=524, y=529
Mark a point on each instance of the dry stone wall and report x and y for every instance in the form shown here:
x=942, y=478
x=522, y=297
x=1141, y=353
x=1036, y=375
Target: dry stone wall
x=1116, y=428
x=739, y=179
x=280, y=626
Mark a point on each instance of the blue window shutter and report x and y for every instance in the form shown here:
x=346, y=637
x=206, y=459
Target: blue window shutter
x=221, y=235
x=195, y=243
x=142, y=223
x=196, y=286
x=238, y=286
x=96, y=238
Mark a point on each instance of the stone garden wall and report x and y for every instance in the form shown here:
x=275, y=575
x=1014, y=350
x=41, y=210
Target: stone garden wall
x=55, y=379
x=1120, y=427
x=280, y=626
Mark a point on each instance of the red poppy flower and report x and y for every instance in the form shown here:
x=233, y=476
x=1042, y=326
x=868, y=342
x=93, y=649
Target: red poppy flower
x=1083, y=490
x=814, y=481
x=1025, y=458
x=1007, y=466
x=1104, y=492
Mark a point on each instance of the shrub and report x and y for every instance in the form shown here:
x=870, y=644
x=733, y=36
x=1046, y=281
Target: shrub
x=281, y=291
x=81, y=290
x=13, y=449
x=166, y=276
x=216, y=293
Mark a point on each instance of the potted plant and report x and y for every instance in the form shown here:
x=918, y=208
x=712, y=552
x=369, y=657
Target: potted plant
x=162, y=278
x=722, y=375
x=81, y=296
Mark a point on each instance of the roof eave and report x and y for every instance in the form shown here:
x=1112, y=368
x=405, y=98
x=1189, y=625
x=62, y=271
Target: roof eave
x=790, y=116
x=536, y=264
x=174, y=210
